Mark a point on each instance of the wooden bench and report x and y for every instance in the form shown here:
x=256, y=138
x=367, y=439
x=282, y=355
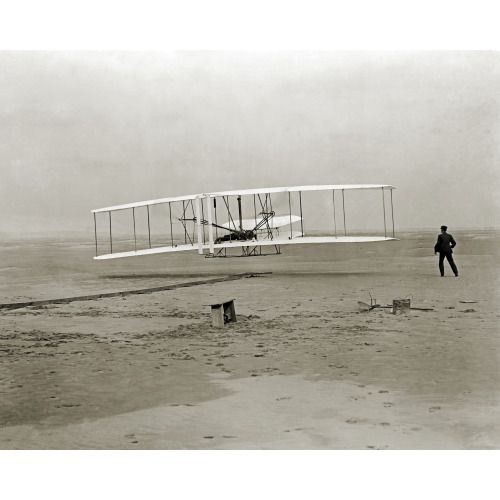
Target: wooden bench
x=222, y=313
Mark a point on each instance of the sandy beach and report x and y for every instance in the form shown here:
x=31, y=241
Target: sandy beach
x=304, y=366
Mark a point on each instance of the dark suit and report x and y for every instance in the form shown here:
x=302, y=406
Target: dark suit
x=444, y=245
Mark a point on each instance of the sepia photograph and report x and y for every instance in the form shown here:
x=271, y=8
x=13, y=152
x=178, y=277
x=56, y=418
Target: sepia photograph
x=249, y=250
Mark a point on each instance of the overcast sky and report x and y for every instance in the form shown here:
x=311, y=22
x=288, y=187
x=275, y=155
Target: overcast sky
x=84, y=130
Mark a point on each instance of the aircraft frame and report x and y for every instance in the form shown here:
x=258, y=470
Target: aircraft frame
x=270, y=221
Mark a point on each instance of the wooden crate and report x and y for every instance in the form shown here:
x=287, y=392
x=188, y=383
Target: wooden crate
x=222, y=313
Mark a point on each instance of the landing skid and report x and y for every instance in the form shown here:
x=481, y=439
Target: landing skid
x=256, y=251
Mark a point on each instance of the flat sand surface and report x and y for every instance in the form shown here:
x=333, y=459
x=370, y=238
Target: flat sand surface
x=303, y=367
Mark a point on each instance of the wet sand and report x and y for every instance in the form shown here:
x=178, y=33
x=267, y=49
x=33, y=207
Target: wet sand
x=304, y=366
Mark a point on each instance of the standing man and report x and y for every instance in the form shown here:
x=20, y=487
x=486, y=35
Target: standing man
x=444, y=246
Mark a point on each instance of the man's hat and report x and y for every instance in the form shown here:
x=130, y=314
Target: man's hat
x=444, y=227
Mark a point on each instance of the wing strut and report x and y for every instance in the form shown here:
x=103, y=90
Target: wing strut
x=197, y=204
x=383, y=206
x=171, y=228
x=186, y=234
x=343, y=209
x=229, y=217
x=265, y=220
x=255, y=209
x=215, y=210
x=149, y=228
x=239, y=213
x=135, y=237
x=95, y=232
x=210, y=228
x=202, y=216
x=110, y=237
x=392, y=212
x=301, y=218
x=334, y=215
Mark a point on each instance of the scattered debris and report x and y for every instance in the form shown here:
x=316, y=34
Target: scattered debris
x=401, y=306
x=398, y=305
x=364, y=306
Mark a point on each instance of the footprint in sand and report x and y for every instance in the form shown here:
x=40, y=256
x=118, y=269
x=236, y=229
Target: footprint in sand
x=353, y=421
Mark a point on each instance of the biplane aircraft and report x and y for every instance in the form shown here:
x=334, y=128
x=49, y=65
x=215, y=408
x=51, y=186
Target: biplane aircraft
x=246, y=220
